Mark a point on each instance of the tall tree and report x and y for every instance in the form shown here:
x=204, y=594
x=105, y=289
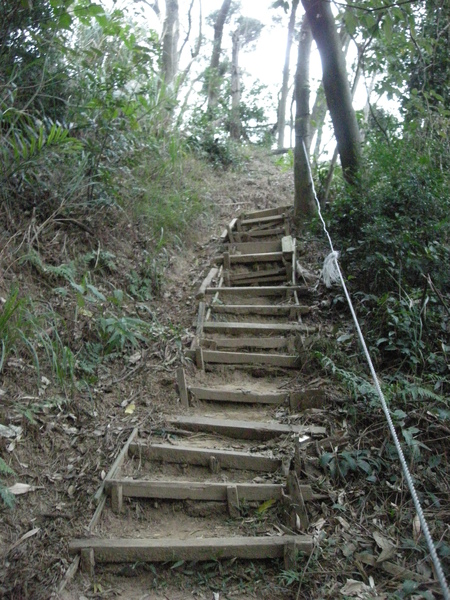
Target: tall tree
x=246, y=32
x=304, y=202
x=170, y=42
x=214, y=76
x=335, y=84
x=281, y=121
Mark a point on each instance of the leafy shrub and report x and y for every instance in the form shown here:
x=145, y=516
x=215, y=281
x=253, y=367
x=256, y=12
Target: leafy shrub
x=394, y=233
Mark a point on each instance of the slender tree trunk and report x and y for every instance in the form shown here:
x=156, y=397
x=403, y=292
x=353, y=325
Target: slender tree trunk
x=235, y=124
x=304, y=202
x=214, y=75
x=170, y=42
x=318, y=114
x=329, y=178
x=335, y=83
x=284, y=87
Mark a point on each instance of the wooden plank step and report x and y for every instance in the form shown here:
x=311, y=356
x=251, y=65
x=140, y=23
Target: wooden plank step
x=287, y=245
x=251, y=358
x=203, y=457
x=225, y=233
x=275, y=231
x=258, y=309
x=245, y=342
x=258, y=220
x=207, y=282
x=205, y=490
x=244, y=430
x=250, y=275
x=238, y=259
x=260, y=281
x=116, y=550
x=232, y=327
x=252, y=247
x=241, y=396
x=262, y=290
x=265, y=212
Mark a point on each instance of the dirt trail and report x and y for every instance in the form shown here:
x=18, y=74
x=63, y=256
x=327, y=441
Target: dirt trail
x=222, y=478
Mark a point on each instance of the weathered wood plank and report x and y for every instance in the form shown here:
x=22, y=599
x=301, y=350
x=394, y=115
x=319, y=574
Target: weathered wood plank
x=233, y=501
x=265, y=212
x=232, y=327
x=258, y=274
x=269, y=290
x=287, y=245
x=237, y=259
x=182, y=387
x=258, y=309
x=206, y=282
x=116, y=550
x=249, y=235
x=253, y=247
x=267, y=219
x=246, y=358
x=228, y=228
x=193, y=490
x=116, y=465
x=260, y=281
x=243, y=396
x=245, y=342
x=199, y=327
x=245, y=430
x=201, y=456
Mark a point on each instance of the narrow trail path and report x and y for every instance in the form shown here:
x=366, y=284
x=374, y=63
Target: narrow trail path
x=222, y=479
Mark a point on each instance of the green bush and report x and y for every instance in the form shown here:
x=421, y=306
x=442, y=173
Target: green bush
x=393, y=232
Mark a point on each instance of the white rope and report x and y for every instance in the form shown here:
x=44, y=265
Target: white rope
x=333, y=257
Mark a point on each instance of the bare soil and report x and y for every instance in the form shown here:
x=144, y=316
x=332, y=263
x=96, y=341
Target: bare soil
x=67, y=447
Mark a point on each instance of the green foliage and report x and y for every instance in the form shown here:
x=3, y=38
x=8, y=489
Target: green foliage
x=356, y=462
x=394, y=232
x=10, y=322
x=5, y=494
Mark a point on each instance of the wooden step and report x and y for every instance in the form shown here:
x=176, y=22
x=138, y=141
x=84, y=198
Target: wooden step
x=237, y=259
x=204, y=490
x=287, y=361
x=236, y=328
x=204, y=457
x=249, y=235
x=240, y=396
x=258, y=309
x=259, y=220
x=265, y=212
x=244, y=430
x=192, y=490
x=256, y=275
x=262, y=280
x=268, y=343
x=117, y=550
x=253, y=247
x=269, y=290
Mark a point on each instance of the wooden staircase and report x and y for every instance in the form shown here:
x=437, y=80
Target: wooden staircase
x=227, y=450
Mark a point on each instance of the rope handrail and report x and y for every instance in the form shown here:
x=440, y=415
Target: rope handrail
x=333, y=258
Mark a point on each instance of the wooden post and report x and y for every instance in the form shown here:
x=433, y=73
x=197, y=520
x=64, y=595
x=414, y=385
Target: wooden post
x=117, y=499
x=199, y=359
x=87, y=561
x=233, y=501
x=182, y=387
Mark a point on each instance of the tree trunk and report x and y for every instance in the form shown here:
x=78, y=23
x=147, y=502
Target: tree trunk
x=214, y=75
x=335, y=83
x=170, y=42
x=235, y=123
x=284, y=87
x=304, y=202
